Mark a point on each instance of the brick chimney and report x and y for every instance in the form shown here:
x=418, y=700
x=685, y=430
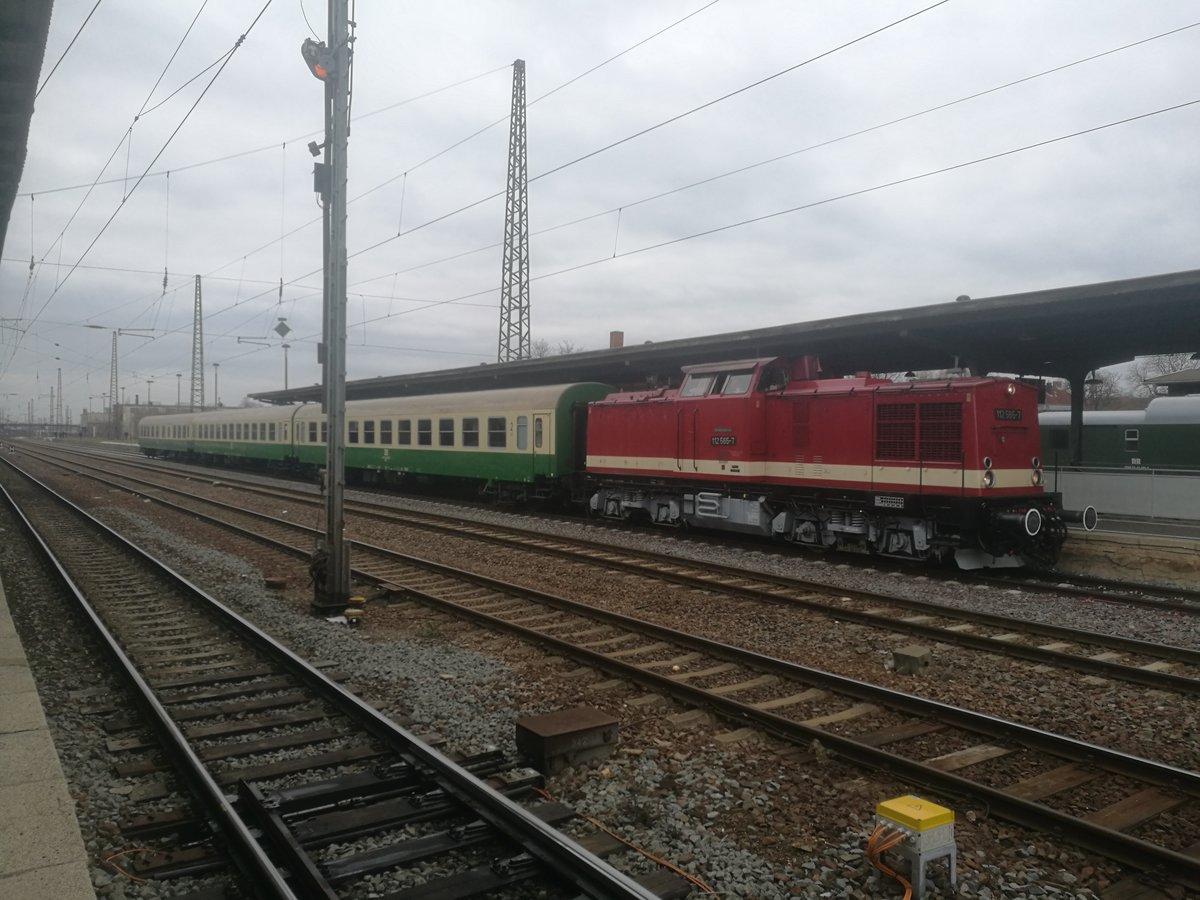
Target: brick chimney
x=616, y=339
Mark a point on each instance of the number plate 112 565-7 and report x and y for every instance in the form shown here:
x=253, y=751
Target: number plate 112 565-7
x=1008, y=415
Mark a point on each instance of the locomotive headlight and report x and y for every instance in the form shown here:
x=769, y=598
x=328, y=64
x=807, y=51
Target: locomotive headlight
x=1036, y=477
x=1036, y=463
x=989, y=478
x=1011, y=389
x=987, y=462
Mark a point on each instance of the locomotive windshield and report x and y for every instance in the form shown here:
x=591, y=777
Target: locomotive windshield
x=725, y=384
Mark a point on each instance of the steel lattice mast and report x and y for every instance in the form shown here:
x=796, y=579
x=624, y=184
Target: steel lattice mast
x=514, y=277
x=197, y=352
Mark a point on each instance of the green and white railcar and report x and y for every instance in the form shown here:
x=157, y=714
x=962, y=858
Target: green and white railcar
x=518, y=442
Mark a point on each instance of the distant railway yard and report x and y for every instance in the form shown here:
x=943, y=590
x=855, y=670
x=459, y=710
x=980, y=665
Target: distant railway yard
x=758, y=704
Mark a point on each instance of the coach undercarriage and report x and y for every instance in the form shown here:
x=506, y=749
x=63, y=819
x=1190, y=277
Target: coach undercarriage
x=968, y=531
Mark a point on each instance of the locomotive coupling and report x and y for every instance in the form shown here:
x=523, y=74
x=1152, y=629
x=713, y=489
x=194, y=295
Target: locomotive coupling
x=1086, y=517
x=1030, y=520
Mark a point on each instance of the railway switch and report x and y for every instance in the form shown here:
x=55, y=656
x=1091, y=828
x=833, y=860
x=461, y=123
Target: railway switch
x=917, y=830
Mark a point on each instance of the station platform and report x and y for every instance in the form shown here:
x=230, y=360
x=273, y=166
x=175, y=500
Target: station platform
x=41, y=851
x=1148, y=555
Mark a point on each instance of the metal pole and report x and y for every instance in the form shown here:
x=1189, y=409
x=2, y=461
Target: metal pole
x=334, y=590
x=216, y=386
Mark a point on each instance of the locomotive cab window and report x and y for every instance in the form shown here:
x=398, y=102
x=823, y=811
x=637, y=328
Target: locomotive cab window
x=731, y=384
x=1131, y=440
x=696, y=386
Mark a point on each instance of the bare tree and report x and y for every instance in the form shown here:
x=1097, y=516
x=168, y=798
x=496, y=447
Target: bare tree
x=1102, y=390
x=1146, y=367
x=540, y=348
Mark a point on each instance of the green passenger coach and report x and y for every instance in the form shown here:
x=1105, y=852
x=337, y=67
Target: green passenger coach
x=518, y=443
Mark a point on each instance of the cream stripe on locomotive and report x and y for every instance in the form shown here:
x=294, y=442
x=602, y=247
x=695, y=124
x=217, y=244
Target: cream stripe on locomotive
x=813, y=471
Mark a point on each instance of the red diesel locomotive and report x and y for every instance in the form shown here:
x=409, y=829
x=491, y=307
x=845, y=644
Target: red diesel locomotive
x=916, y=470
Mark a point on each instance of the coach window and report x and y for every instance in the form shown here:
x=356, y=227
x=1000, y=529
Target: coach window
x=254, y=431
x=1131, y=440
x=271, y=431
x=312, y=432
x=404, y=432
x=385, y=432
x=353, y=439
x=696, y=386
x=445, y=432
x=497, y=431
x=324, y=432
x=425, y=432
x=522, y=432
x=470, y=433
x=369, y=431
x=538, y=428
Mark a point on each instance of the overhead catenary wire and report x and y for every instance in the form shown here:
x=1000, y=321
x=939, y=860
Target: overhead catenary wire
x=241, y=39
x=63, y=55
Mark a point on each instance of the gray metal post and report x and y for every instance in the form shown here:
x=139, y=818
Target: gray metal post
x=333, y=589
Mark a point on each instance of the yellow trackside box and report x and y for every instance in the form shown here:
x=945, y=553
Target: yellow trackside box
x=927, y=826
x=914, y=813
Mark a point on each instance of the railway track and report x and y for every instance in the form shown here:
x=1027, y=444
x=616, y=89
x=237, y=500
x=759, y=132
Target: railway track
x=1106, y=801
x=280, y=761
x=1148, y=664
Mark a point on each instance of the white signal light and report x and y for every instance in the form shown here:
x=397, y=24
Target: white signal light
x=1011, y=389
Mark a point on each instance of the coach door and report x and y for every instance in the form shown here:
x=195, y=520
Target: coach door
x=543, y=446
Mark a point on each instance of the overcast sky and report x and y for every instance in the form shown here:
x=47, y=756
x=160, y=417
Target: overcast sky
x=835, y=234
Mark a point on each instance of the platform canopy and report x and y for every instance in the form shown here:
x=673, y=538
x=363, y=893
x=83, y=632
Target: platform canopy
x=24, y=25
x=1063, y=332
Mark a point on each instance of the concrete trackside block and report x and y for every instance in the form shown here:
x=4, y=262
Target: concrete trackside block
x=566, y=738
x=912, y=660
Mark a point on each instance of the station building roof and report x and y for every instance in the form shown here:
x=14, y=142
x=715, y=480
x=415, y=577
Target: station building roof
x=1063, y=332
x=1186, y=381
x=24, y=25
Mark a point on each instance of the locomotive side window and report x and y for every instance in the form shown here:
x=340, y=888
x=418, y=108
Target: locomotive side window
x=425, y=432
x=369, y=431
x=522, y=432
x=696, y=386
x=445, y=432
x=470, y=432
x=896, y=431
x=497, y=432
x=404, y=432
x=385, y=432
x=353, y=439
x=941, y=432
x=1131, y=440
